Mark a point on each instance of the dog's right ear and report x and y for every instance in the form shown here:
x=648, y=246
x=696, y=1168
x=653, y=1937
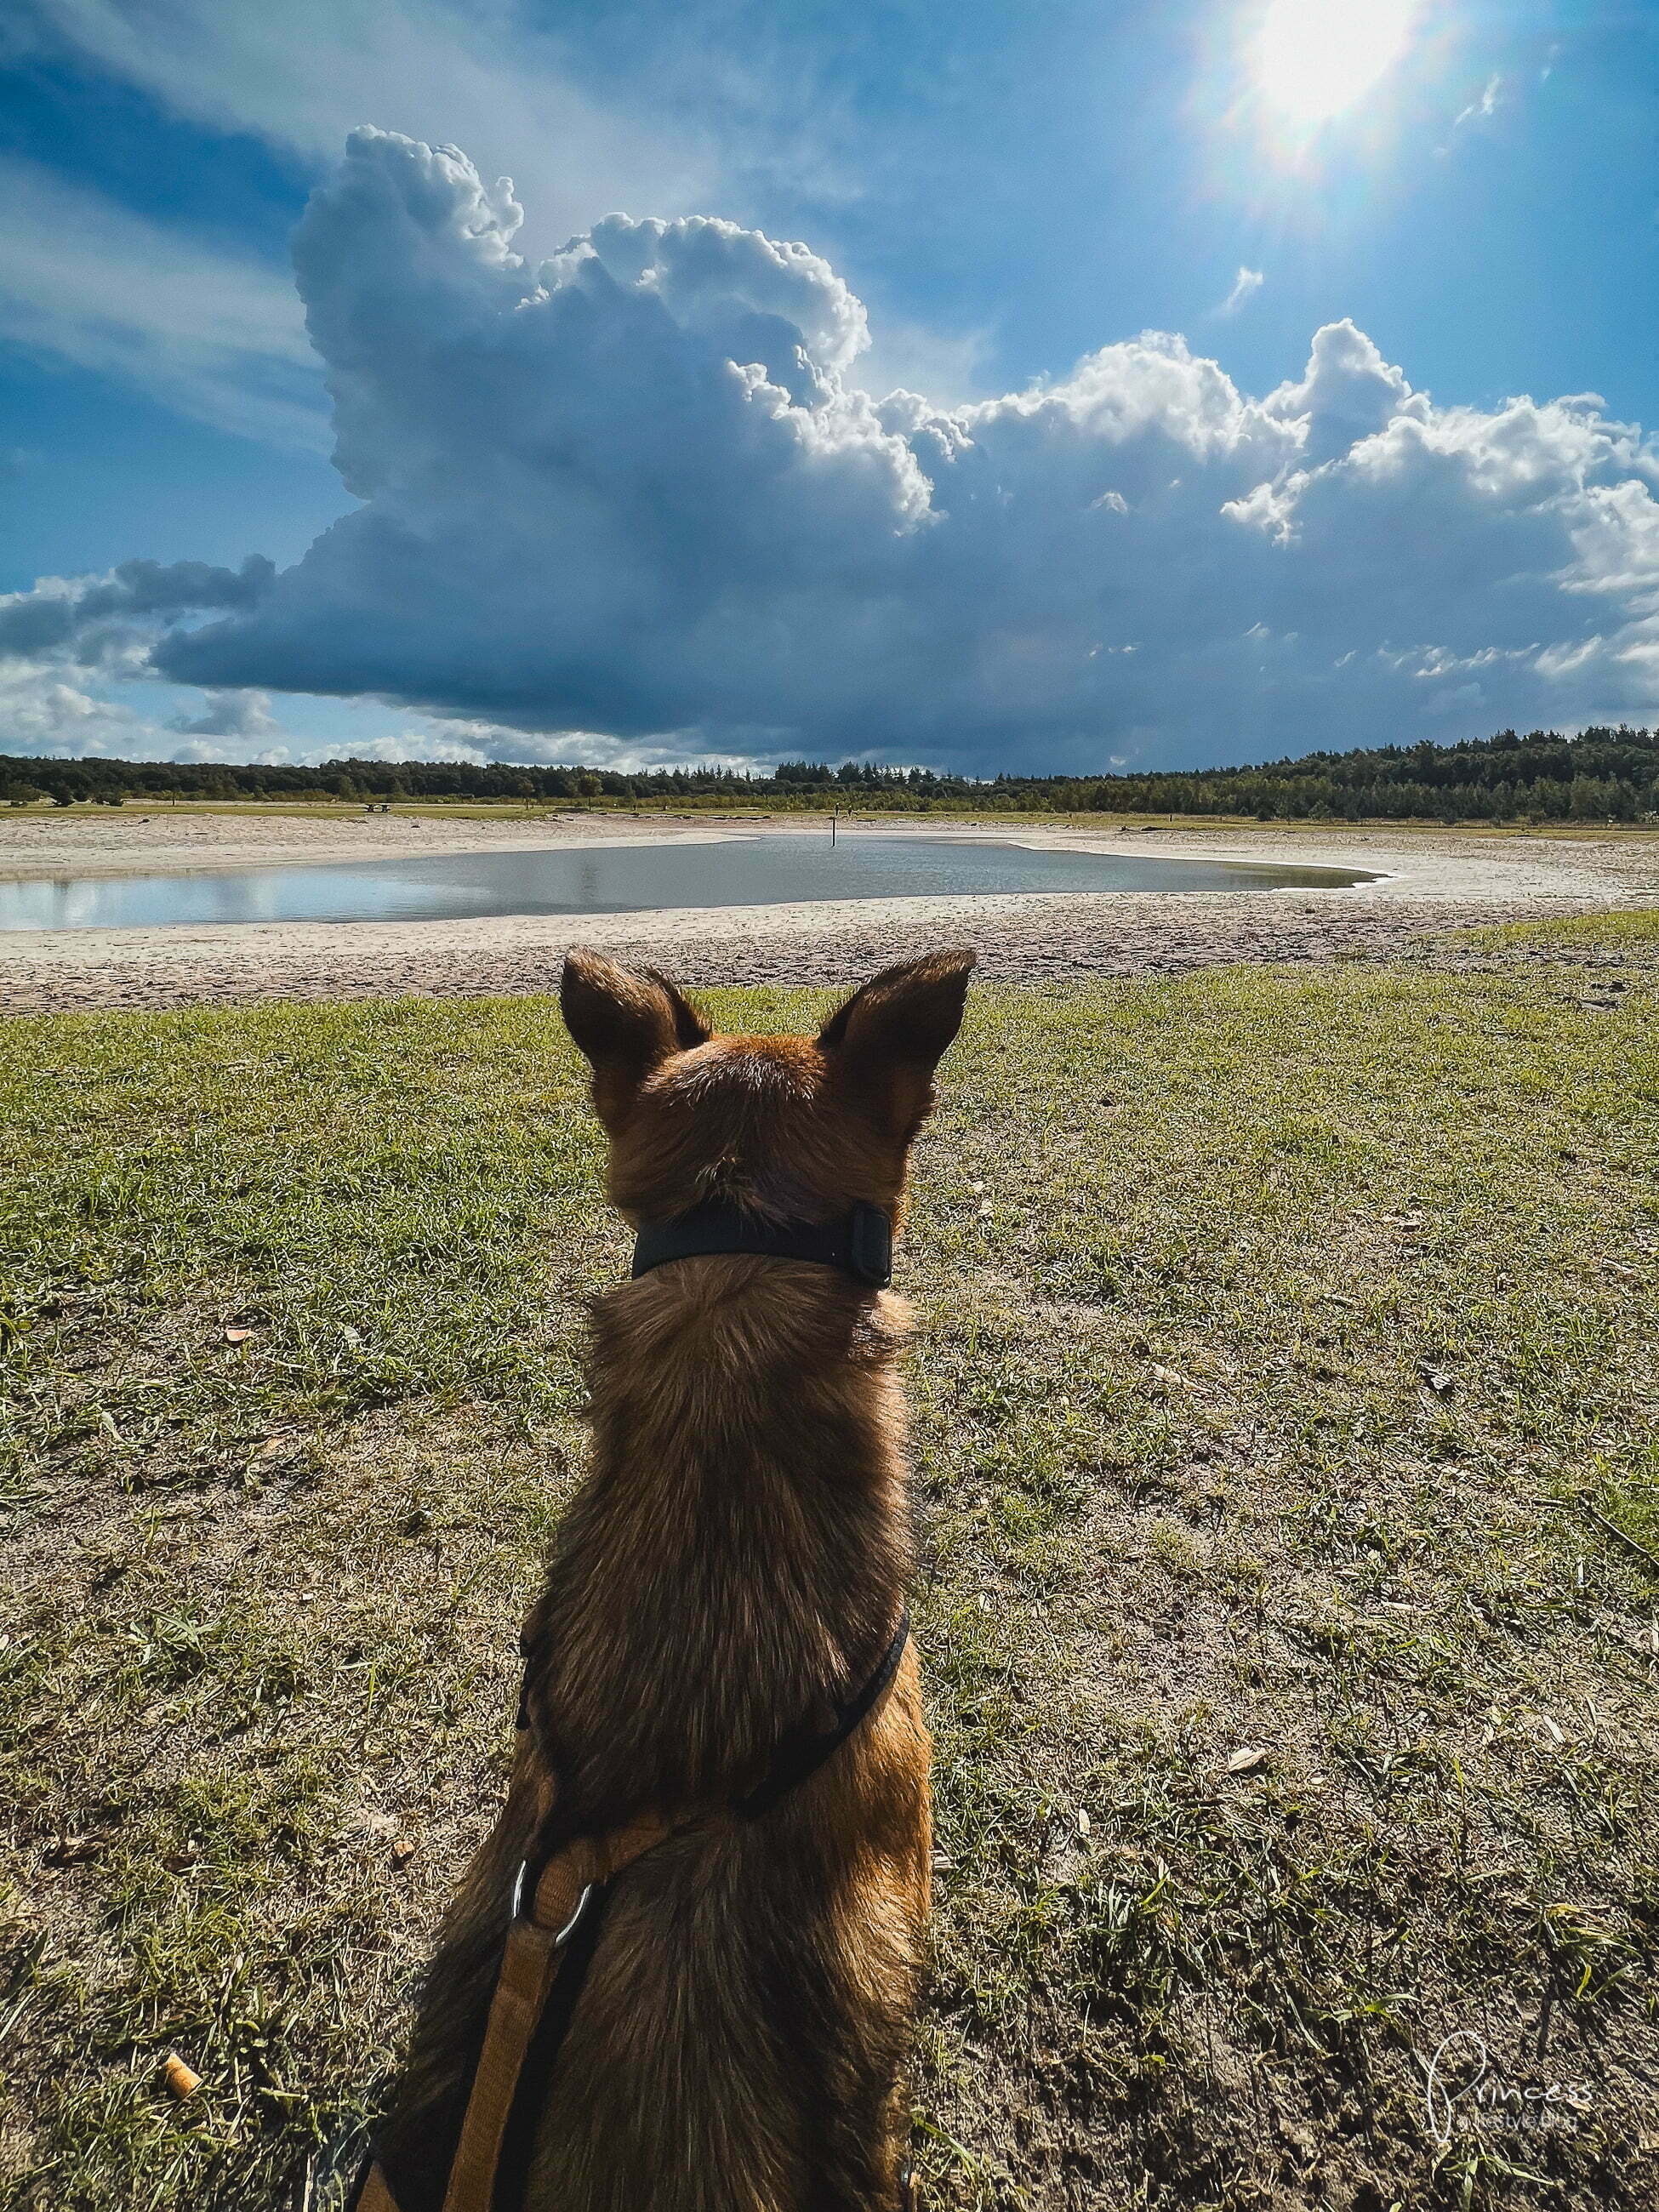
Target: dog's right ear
x=885, y=1041
x=626, y=1024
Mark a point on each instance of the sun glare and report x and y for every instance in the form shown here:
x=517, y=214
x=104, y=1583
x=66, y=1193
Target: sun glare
x=1316, y=57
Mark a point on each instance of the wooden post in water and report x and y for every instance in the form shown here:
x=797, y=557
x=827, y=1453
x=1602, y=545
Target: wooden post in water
x=834, y=814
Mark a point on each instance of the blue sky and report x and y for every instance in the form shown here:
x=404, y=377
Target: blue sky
x=1007, y=190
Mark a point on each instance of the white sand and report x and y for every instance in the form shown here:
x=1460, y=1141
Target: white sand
x=1432, y=878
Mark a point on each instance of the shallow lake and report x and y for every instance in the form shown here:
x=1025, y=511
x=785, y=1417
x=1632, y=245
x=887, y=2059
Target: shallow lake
x=766, y=871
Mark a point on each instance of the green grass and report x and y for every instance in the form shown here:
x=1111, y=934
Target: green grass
x=1285, y=1384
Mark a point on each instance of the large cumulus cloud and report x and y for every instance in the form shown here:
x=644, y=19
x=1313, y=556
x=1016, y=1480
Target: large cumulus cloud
x=636, y=488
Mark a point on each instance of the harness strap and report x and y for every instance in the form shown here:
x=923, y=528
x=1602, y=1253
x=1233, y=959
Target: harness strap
x=530, y=1966
x=545, y=1913
x=519, y=2143
x=801, y=1754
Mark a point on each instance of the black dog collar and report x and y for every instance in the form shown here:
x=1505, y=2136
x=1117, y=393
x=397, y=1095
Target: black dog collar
x=861, y=1243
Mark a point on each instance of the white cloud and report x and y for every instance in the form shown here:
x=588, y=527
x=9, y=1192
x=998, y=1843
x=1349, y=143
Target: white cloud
x=1481, y=110
x=92, y=282
x=231, y=714
x=484, y=742
x=41, y=710
x=636, y=492
x=43, y=714
x=1246, y=285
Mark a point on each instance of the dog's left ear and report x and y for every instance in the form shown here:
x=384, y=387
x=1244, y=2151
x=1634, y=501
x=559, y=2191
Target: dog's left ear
x=626, y=1024
x=886, y=1041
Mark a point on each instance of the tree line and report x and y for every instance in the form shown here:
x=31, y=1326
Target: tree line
x=1603, y=775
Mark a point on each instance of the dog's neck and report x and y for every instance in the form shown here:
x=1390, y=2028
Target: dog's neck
x=741, y=1546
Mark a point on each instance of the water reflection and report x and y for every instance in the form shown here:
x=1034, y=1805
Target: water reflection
x=626, y=879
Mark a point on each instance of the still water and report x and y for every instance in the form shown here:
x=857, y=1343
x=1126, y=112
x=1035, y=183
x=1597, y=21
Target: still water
x=626, y=879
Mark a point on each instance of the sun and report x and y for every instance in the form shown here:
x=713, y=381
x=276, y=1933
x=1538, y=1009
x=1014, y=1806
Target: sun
x=1315, y=57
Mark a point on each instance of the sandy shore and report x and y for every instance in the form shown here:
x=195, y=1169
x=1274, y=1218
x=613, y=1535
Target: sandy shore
x=1432, y=881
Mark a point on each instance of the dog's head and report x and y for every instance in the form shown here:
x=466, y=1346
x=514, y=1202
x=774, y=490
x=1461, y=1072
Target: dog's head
x=793, y=1128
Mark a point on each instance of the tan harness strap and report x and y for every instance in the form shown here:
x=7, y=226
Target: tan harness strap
x=530, y=1966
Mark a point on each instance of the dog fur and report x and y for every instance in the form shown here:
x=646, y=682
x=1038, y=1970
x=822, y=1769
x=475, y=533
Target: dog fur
x=740, y=1547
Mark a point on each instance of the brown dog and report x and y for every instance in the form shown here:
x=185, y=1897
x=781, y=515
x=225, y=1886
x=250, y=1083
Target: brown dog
x=738, y=1553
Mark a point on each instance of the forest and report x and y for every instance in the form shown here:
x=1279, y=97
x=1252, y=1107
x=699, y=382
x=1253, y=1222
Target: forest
x=1601, y=774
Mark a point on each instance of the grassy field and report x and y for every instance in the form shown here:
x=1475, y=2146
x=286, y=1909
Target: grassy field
x=1285, y=1391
